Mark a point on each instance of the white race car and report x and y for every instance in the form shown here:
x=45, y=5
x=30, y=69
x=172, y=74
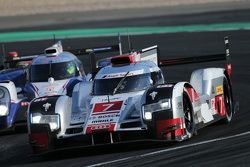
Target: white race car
x=129, y=100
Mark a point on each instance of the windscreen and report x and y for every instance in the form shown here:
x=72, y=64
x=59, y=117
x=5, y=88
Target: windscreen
x=58, y=71
x=129, y=84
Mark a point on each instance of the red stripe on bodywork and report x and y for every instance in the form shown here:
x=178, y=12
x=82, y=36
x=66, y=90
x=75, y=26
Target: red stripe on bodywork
x=196, y=96
x=219, y=105
x=192, y=94
x=229, y=69
x=40, y=139
x=164, y=128
x=107, y=106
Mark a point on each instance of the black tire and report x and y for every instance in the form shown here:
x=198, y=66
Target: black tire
x=188, y=115
x=228, y=101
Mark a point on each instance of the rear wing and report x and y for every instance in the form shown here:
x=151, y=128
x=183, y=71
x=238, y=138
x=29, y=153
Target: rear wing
x=150, y=53
x=12, y=58
x=101, y=49
x=12, y=62
x=201, y=59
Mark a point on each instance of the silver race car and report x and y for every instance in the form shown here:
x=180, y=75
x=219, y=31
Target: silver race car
x=129, y=100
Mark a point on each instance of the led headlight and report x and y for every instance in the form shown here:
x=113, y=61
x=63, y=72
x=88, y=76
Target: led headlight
x=148, y=109
x=4, y=111
x=148, y=115
x=52, y=120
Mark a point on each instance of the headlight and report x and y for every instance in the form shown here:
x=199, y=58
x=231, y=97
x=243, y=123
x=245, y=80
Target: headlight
x=1, y=93
x=52, y=120
x=4, y=111
x=159, y=106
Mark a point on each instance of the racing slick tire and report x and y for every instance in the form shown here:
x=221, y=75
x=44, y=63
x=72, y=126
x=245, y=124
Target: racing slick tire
x=228, y=101
x=188, y=115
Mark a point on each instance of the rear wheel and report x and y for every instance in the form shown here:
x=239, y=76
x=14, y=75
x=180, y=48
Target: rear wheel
x=228, y=102
x=188, y=115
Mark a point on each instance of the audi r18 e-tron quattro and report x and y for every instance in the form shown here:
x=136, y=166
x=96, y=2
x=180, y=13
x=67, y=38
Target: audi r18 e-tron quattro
x=129, y=99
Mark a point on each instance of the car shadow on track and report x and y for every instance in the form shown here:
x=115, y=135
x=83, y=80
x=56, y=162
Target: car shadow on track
x=16, y=130
x=101, y=150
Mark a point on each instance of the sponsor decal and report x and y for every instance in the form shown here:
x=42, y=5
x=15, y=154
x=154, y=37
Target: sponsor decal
x=109, y=99
x=213, y=106
x=107, y=106
x=213, y=103
x=119, y=75
x=104, y=126
x=40, y=99
x=219, y=90
x=165, y=86
x=46, y=106
x=100, y=126
x=153, y=94
x=104, y=116
x=95, y=119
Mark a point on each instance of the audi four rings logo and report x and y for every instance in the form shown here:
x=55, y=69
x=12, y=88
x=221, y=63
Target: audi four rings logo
x=46, y=106
x=101, y=126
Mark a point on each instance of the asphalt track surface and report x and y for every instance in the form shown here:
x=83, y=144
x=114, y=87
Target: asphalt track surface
x=216, y=145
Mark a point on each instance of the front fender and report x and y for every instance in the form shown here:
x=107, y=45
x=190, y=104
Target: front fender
x=167, y=123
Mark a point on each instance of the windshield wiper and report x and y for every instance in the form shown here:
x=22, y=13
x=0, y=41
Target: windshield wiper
x=120, y=83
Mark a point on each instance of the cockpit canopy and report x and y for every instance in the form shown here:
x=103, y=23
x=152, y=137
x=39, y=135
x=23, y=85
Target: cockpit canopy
x=128, y=84
x=58, y=71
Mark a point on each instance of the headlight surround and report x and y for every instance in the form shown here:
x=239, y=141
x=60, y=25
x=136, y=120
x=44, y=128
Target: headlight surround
x=52, y=120
x=2, y=93
x=4, y=110
x=148, y=109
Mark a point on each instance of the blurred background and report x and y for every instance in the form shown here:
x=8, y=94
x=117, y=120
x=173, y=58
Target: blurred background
x=27, y=13
x=31, y=7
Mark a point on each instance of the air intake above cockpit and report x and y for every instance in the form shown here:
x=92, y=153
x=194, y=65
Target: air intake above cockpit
x=54, y=50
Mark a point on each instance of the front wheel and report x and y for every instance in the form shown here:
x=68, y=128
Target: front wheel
x=188, y=115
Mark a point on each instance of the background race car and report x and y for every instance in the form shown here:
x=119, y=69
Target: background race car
x=129, y=100
x=13, y=99
x=55, y=72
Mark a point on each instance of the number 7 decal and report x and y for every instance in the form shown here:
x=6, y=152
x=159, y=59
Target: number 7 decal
x=108, y=106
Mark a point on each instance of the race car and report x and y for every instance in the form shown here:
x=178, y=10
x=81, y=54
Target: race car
x=13, y=101
x=55, y=72
x=130, y=100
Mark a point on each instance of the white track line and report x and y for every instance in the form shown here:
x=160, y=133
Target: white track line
x=170, y=149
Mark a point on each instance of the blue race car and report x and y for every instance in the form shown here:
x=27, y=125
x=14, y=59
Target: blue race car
x=13, y=102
